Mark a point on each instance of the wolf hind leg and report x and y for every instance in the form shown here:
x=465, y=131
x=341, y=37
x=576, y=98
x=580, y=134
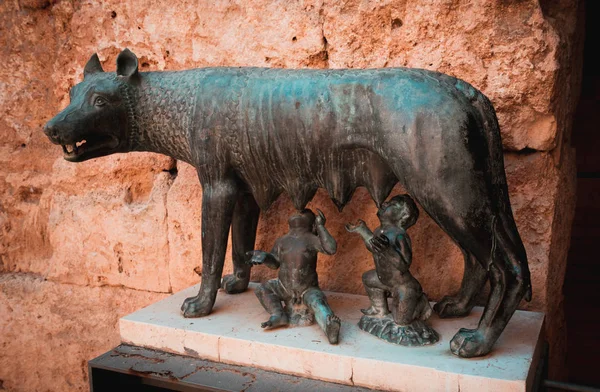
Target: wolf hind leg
x=509, y=281
x=461, y=303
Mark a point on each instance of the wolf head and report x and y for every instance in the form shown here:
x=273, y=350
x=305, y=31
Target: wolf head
x=100, y=117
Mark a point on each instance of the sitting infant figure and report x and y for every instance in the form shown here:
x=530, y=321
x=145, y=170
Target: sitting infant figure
x=295, y=254
x=392, y=254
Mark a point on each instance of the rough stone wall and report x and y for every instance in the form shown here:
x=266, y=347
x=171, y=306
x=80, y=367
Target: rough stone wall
x=83, y=244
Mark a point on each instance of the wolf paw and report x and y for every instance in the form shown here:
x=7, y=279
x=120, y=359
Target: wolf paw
x=452, y=306
x=469, y=343
x=196, y=307
x=234, y=285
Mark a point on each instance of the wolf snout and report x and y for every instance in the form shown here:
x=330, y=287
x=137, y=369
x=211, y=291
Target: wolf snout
x=56, y=134
x=52, y=132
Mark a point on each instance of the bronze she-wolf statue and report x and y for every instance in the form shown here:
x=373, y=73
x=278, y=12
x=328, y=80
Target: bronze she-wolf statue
x=253, y=133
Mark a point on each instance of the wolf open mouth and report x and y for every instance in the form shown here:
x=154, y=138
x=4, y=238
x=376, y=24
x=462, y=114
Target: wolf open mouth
x=89, y=147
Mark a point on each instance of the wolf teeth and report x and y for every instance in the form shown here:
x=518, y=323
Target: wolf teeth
x=70, y=148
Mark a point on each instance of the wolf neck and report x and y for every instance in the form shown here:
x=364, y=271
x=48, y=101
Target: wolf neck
x=163, y=112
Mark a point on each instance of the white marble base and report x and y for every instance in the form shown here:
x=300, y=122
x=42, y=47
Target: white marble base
x=232, y=334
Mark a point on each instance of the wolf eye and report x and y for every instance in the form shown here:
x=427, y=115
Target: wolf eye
x=100, y=101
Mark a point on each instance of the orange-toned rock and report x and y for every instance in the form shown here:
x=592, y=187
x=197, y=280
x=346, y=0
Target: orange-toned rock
x=124, y=220
x=534, y=191
x=507, y=51
x=48, y=331
x=117, y=233
x=564, y=213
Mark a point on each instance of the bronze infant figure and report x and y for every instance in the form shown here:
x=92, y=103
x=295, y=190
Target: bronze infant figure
x=295, y=254
x=392, y=253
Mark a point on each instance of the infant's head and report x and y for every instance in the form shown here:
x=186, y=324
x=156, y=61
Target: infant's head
x=305, y=219
x=399, y=211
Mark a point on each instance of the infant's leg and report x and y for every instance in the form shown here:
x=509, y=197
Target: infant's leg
x=329, y=322
x=405, y=302
x=270, y=295
x=377, y=293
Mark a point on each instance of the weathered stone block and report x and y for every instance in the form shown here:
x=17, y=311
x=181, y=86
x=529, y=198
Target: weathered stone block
x=507, y=51
x=107, y=223
x=48, y=331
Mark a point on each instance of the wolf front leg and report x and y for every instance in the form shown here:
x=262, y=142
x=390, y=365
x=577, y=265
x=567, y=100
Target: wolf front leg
x=218, y=202
x=243, y=235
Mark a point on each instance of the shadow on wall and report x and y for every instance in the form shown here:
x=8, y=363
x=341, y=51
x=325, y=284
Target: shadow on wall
x=582, y=297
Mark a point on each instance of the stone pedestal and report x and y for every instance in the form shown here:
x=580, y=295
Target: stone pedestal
x=232, y=334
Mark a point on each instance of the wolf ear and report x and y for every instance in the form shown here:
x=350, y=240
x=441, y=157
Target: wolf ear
x=93, y=66
x=127, y=64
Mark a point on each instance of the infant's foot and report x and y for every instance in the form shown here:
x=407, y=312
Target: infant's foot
x=332, y=329
x=276, y=320
x=374, y=311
